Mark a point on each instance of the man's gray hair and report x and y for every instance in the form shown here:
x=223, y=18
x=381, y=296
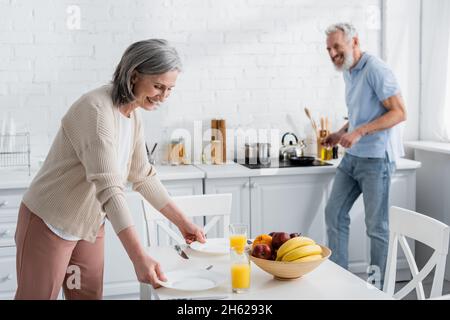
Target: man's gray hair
x=151, y=57
x=348, y=29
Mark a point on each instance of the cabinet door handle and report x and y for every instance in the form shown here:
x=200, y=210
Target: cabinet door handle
x=7, y=278
x=3, y=204
x=247, y=184
x=253, y=185
x=5, y=233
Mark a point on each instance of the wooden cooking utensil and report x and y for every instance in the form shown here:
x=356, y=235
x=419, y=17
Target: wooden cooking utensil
x=313, y=123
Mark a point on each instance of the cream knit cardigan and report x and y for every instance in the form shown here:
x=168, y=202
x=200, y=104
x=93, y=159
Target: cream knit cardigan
x=80, y=181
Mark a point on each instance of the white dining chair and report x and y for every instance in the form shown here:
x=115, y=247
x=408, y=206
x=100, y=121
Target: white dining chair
x=212, y=207
x=444, y=297
x=435, y=234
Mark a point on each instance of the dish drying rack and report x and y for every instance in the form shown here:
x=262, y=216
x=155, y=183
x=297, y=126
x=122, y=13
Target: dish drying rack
x=15, y=150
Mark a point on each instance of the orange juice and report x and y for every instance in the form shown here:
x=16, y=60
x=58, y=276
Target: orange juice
x=238, y=242
x=240, y=276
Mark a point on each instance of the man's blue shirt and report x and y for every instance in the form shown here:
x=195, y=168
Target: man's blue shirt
x=367, y=85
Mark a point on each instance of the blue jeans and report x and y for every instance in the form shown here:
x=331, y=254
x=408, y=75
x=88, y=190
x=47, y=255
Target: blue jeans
x=372, y=178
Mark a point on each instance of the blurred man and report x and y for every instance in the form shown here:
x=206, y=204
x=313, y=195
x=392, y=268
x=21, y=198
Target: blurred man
x=373, y=143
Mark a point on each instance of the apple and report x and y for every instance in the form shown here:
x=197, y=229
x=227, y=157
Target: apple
x=295, y=234
x=274, y=254
x=278, y=238
x=262, y=251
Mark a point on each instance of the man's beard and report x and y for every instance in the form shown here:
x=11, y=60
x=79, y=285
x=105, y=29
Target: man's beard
x=348, y=62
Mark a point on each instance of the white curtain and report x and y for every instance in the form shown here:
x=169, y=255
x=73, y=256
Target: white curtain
x=435, y=103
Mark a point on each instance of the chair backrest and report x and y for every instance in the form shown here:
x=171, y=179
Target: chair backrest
x=435, y=234
x=444, y=297
x=212, y=207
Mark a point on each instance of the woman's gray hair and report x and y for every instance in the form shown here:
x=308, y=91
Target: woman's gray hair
x=348, y=29
x=153, y=56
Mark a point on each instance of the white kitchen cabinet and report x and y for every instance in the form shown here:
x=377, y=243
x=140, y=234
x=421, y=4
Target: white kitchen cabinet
x=184, y=187
x=276, y=203
x=8, y=218
x=9, y=208
x=8, y=278
x=119, y=275
x=289, y=203
x=402, y=194
x=240, y=190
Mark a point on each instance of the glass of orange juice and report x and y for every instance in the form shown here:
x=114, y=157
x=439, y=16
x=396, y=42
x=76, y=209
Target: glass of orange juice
x=240, y=272
x=238, y=237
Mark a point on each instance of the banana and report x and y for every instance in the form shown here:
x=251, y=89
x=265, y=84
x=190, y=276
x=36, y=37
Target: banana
x=303, y=251
x=292, y=244
x=313, y=257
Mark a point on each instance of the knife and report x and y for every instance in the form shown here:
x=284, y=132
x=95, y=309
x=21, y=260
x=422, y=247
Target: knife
x=181, y=252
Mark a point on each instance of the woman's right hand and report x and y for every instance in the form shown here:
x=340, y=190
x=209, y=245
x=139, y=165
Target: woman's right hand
x=148, y=270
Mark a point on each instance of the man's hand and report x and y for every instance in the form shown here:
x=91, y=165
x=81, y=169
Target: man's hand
x=332, y=139
x=349, y=139
x=396, y=113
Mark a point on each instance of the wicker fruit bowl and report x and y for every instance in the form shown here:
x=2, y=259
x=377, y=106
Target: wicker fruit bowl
x=290, y=270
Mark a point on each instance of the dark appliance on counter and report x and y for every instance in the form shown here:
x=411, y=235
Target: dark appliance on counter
x=297, y=162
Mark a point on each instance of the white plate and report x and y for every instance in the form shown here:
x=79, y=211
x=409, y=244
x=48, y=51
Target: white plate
x=192, y=279
x=212, y=246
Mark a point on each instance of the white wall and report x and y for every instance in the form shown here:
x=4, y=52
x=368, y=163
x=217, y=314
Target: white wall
x=249, y=61
x=435, y=71
x=401, y=48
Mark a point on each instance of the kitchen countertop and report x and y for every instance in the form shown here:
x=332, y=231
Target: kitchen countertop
x=19, y=179
x=234, y=170
x=166, y=173
x=440, y=147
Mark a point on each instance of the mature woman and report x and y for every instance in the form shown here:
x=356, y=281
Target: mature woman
x=99, y=147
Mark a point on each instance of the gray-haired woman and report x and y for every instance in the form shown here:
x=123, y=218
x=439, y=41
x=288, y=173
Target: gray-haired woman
x=98, y=148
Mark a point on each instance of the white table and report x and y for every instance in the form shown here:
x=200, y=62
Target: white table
x=327, y=282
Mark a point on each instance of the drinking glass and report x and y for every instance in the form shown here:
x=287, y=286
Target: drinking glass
x=240, y=271
x=238, y=237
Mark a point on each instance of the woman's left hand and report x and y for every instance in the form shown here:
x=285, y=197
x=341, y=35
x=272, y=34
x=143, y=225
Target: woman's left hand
x=192, y=232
